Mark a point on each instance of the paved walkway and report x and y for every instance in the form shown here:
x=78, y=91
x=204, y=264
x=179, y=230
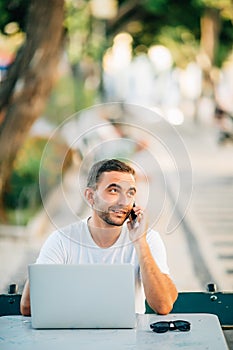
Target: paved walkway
x=210, y=215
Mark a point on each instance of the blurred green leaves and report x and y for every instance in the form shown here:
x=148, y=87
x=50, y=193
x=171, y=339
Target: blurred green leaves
x=158, y=22
x=23, y=192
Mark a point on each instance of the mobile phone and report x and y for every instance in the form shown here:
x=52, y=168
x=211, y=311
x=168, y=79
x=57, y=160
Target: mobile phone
x=133, y=215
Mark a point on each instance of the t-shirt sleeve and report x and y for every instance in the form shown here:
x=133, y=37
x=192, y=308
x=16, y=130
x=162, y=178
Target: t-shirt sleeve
x=52, y=251
x=158, y=250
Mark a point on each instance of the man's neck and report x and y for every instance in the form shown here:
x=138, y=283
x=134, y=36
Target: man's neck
x=103, y=234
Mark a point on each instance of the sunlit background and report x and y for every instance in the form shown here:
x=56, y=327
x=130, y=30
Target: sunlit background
x=175, y=60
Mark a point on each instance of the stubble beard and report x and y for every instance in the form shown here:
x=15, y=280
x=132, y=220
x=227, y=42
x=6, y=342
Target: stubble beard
x=106, y=217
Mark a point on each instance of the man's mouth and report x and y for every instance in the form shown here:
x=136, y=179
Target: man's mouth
x=120, y=211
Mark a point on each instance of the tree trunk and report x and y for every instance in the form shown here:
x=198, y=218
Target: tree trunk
x=210, y=28
x=29, y=81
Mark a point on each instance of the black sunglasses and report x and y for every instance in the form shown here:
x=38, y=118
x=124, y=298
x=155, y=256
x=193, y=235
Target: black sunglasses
x=164, y=326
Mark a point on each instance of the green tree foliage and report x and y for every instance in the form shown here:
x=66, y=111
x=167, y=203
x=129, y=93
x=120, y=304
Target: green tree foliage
x=175, y=24
x=172, y=23
x=23, y=191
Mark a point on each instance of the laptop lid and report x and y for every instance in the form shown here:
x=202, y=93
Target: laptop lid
x=82, y=296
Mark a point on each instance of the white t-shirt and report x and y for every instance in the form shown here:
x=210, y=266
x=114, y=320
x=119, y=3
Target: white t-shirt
x=73, y=244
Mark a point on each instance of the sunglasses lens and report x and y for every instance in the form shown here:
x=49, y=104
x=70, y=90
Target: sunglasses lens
x=160, y=327
x=182, y=325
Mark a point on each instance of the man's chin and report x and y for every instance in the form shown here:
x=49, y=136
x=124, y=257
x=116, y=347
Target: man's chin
x=115, y=221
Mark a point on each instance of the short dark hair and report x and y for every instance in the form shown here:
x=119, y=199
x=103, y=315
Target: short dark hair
x=106, y=165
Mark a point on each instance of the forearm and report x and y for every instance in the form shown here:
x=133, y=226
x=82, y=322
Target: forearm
x=160, y=291
x=25, y=301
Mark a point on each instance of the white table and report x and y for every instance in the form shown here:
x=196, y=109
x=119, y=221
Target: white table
x=206, y=333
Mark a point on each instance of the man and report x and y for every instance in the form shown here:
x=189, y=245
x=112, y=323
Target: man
x=112, y=235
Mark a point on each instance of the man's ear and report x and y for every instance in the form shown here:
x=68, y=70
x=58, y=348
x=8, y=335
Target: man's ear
x=89, y=195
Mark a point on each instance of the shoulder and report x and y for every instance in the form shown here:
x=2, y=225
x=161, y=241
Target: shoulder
x=70, y=231
x=158, y=250
x=154, y=239
x=153, y=235
x=57, y=247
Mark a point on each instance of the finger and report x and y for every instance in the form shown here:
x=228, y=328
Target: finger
x=140, y=216
x=138, y=210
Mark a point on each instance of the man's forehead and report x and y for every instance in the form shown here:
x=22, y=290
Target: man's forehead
x=117, y=177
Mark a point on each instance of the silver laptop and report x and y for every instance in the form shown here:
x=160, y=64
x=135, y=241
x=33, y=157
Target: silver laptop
x=82, y=296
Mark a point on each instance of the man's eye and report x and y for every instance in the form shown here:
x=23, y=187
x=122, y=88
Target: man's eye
x=113, y=190
x=131, y=193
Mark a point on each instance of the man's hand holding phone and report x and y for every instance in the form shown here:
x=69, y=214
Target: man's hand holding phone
x=136, y=223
